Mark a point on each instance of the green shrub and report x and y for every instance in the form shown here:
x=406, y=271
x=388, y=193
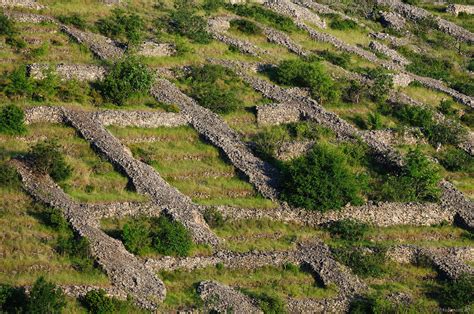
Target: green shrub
x=54, y=218
x=264, y=15
x=464, y=87
x=12, y=299
x=211, y=6
x=8, y=176
x=73, y=19
x=415, y=116
x=171, y=237
x=376, y=304
x=445, y=132
x=470, y=65
x=321, y=180
x=342, y=59
x=355, y=92
x=136, y=236
x=246, y=26
x=307, y=74
x=269, y=140
x=77, y=249
x=337, y=22
x=348, y=229
x=7, y=28
x=454, y=159
x=364, y=264
x=122, y=25
x=428, y=66
x=374, y=121
x=18, y=84
x=213, y=218
x=45, y=297
x=127, y=77
x=382, y=84
x=12, y=120
x=446, y=107
x=47, y=158
x=457, y=294
x=268, y=303
x=417, y=181
x=468, y=118
x=97, y=302
x=184, y=21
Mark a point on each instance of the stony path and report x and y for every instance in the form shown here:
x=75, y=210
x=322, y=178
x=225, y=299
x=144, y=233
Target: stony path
x=126, y=272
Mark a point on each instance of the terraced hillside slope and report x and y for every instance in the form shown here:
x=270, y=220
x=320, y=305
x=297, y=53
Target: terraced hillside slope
x=276, y=156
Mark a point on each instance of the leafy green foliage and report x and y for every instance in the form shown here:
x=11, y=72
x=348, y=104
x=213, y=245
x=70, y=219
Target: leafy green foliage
x=96, y=301
x=122, y=25
x=12, y=120
x=264, y=15
x=322, y=180
x=214, y=87
x=362, y=263
x=307, y=74
x=268, y=303
x=339, y=23
x=382, y=84
x=185, y=21
x=171, y=237
x=73, y=19
x=47, y=158
x=12, y=299
x=211, y=6
x=454, y=159
x=136, y=236
x=213, y=218
x=45, y=297
x=348, y=229
x=417, y=181
x=342, y=59
x=457, y=294
x=127, y=77
x=8, y=176
x=246, y=26
x=464, y=87
x=7, y=28
x=18, y=83
x=446, y=107
x=428, y=66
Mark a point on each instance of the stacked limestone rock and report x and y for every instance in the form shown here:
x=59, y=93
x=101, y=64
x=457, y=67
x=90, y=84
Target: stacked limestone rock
x=28, y=4
x=455, y=9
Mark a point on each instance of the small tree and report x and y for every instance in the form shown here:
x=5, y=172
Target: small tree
x=8, y=176
x=47, y=158
x=348, y=229
x=12, y=120
x=96, y=301
x=45, y=297
x=136, y=236
x=6, y=26
x=171, y=237
x=122, y=25
x=127, y=77
x=18, y=84
x=185, y=22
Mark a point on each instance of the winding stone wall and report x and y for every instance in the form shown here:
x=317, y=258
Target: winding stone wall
x=142, y=119
x=295, y=11
x=392, y=20
x=455, y=9
x=152, y=49
x=79, y=72
x=392, y=54
x=125, y=271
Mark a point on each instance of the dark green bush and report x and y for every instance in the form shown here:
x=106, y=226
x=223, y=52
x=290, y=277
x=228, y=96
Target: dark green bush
x=348, y=229
x=246, y=26
x=8, y=176
x=45, y=297
x=264, y=15
x=73, y=19
x=374, y=121
x=136, y=236
x=342, y=59
x=47, y=158
x=321, y=180
x=355, y=92
x=415, y=116
x=417, y=181
x=382, y=84
x=455, y=159
x=7, y=28
x=468, y=118
x=12, y=120
x=122, y=25
x=445, y=132
x=12, y=299
x=77, y=249
x=211, y=6
x=375, y=303
x=18, y=84
x=470, y=65
x=97, y=302
x=446, y=107
x=428, y=66
x=268, y=303
x=171, y=237
x=464, y=87
x=184, y=21
x=457, y=294
x=307, y=74
x=269, y=140
x=364, y=264
x=337, y=22
x=213, y=218
x=127, y=77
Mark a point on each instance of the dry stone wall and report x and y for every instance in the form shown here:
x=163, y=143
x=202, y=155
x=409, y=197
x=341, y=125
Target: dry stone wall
x=79, y=72
x=142, y=119
x=152, y=49
x=295, y=11
x=455, y=9
x=392, y=54
x=27, y=4
x=392, y=20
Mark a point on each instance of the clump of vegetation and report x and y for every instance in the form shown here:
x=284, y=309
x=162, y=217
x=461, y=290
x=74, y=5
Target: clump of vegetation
x=382, y=84
x=214, y=87
x=8, y=176
x=268, y=303
x=307, y=74
x=362, y=263
x=457, y=294
x=416, y=181
x=12, y=120
x=427, y=66
x=8, y=29
x=455, y=159
x=321, y=180
x=446, y=107
x=162, y=235
x=342, y=59
x=349, y=230
x=97, y=301
x=264, y=15
x=211, y=6
x=124, y=26
x=246, y=26
x=73, y=19
x=47, y=158
x=213, y=218
x=185, y=21
x=339, y=23
x=12, y=299
x=463, y=86
x=127, y=77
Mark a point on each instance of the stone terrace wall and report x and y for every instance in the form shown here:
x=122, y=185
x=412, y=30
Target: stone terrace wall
x=417, y=14
x=295, y=11
x=28, y=4
x=142, y=119
x=42, y=114
x=392, y=54
x=125, y=271
x=455, y=9
x=79, y=72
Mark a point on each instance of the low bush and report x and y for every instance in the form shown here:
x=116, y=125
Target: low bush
x=470, y=65
x=47, y=158
x=348, y=229
x=339, y=23
x=342, y=59
x=214, y=218
x=73, y=19
x=9, y=178
x=264, y=15
x=17, y=83
x=7, y=28
x=246, y=26
x=321, y=180
x=268, y=303
x=307, y=74
x=455, y=159
x=12, y=120
x=466, y=87
x=123, y=26
x=382, y=84
x=12, y=299
x=127, y=77
x=355, y=92
x=417, y=181
x=468, y=118
x=171, y=237
x=362, y=263
x=185, y=21
x=211, y=6
x=267, y=142
x=457, y=294
x=97, y=301
x=428, y=66
x=45, y=297
x=376, y=303
x=136, y=236
x=77, y=249
x=446, y=107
